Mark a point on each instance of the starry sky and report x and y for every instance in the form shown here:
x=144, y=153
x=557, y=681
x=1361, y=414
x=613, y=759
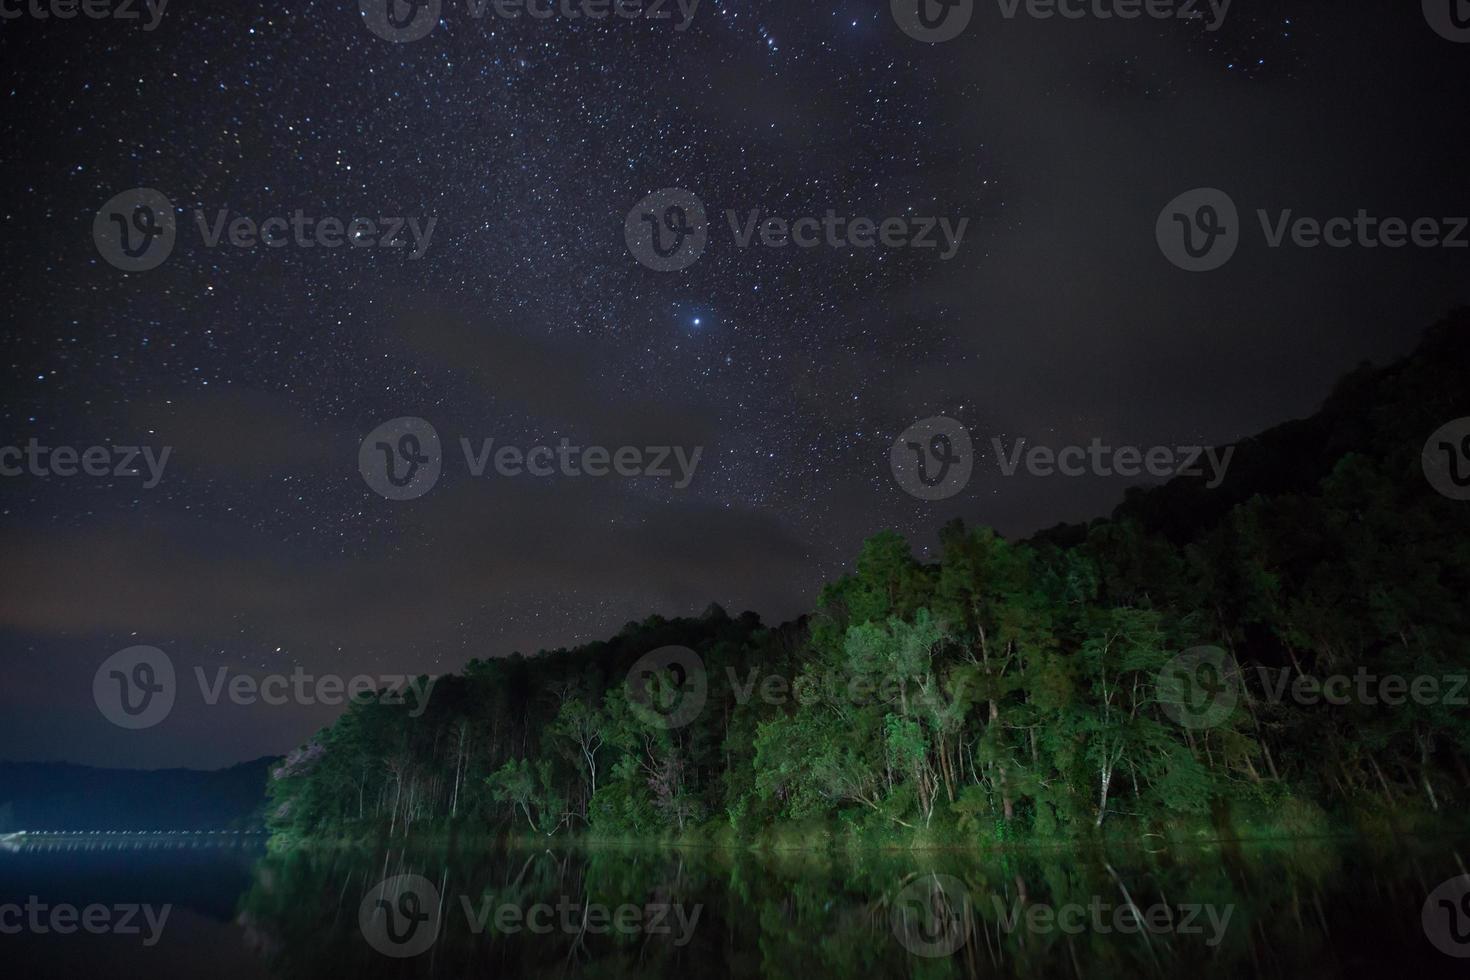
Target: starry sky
x=527, y=319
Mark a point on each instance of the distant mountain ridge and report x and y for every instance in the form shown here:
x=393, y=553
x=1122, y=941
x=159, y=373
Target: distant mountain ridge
x=63, y=796
x=1381, y=412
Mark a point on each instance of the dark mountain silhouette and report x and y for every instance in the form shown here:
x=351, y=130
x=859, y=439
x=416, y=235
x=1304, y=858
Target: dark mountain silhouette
x=1380, y=412
x=62, y=796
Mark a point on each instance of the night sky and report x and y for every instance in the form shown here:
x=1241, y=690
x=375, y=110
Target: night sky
x=528, y=320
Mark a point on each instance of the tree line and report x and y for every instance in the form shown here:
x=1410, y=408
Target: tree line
x=1007, y=690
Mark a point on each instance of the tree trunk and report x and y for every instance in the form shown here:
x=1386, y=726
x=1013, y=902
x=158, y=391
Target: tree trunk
x=1102, y=803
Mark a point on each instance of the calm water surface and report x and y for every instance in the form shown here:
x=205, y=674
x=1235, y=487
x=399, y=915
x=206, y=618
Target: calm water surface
x=201, y=910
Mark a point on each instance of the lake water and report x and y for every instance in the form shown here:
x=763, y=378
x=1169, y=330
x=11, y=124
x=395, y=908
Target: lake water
x=1328, y=909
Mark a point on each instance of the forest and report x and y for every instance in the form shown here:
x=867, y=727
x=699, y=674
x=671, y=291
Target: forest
x=1008, y=691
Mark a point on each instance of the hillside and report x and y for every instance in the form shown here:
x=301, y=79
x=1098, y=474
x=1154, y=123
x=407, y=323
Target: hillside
x=1009, y=690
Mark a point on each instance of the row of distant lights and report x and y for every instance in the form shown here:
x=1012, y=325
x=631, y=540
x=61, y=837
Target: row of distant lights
x=122, y=833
